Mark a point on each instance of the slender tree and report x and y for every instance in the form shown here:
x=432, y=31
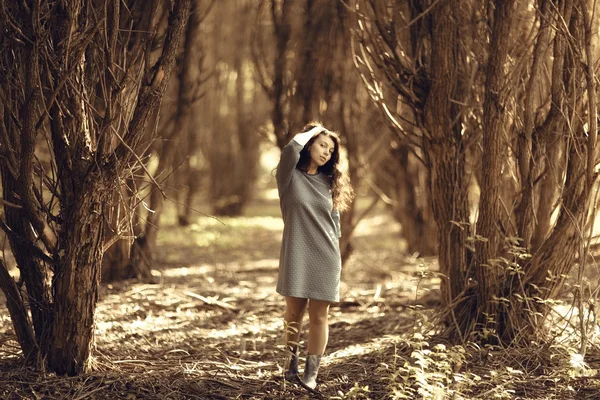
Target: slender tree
x=233, y=141
x=273, y=78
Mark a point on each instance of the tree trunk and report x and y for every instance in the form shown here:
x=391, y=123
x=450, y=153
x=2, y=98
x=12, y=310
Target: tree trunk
x=190, y=175
x=496, y=277
x=34, y=272
x=491, y=225
x=281, y=25
x=234, y=154
x=348, y=222
x=529, y=156
x=411, y=204
x=55, y=225
x=246, y=132
x=116, y=265
x=76, y=280
x=446, y=158
x=19, y=316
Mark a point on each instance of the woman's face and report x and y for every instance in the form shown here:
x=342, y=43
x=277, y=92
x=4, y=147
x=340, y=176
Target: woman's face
x=321, y=150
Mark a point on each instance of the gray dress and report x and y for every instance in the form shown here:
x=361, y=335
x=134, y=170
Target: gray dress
x=310, y=262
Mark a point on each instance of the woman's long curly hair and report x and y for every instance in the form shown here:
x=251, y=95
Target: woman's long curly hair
x=341, y=189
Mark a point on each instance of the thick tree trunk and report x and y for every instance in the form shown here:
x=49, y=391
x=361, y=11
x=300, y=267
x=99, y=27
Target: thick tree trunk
x=76, y=280
x=449, y=197
x=445, y=157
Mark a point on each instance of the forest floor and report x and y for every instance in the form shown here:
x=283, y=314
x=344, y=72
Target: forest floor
x=211, y=328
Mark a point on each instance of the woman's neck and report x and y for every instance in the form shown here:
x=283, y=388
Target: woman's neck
x=312, y=169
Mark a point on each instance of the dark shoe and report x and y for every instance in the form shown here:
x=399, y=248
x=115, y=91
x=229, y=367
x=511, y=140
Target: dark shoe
x=292, y=373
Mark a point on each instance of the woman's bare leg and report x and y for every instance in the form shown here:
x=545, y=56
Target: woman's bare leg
x=318, y=335
x=294, y=313
x=319, y=329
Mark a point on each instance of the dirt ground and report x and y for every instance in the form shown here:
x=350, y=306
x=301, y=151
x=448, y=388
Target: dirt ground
x=211, y=328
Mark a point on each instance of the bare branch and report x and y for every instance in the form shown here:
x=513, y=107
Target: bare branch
x=155, y=80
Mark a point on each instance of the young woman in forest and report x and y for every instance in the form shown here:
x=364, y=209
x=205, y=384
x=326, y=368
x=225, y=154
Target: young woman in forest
x=312, y=193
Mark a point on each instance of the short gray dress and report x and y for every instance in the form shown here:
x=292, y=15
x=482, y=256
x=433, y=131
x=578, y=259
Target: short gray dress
x=310, y=262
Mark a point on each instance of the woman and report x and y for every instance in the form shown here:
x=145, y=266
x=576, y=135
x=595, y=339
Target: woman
x=312, y=193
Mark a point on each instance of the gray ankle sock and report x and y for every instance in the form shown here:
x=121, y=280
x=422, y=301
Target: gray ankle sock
x=311, y=370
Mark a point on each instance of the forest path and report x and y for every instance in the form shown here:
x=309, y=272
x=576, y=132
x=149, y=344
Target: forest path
x=212, y=326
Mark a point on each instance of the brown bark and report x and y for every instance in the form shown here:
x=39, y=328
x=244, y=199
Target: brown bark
x=491, y=222
x=115, y=261
x=190, y=176
x=246, y=132
x=234, y=149
x=76, y=280
x=563, y=244
x=348, y=222
x=530, y=161
x=33, y=271
x=412, y=208
x=550, y=139
x=444, y=154
x=19, y=316
x=19, y=190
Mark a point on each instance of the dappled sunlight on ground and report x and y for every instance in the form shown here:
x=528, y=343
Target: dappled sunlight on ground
x=186, y=271
x=212, y=328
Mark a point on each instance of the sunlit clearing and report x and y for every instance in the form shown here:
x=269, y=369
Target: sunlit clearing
x=151, y=323
x=577, y=361
x=242, y=329
x=196, y=369
x=270, y=194
x=375, y=225
x=269, y=223
x=187, y=271
x=358, y=349
x=564, y=317
x=265, y=263
x=564, y=310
